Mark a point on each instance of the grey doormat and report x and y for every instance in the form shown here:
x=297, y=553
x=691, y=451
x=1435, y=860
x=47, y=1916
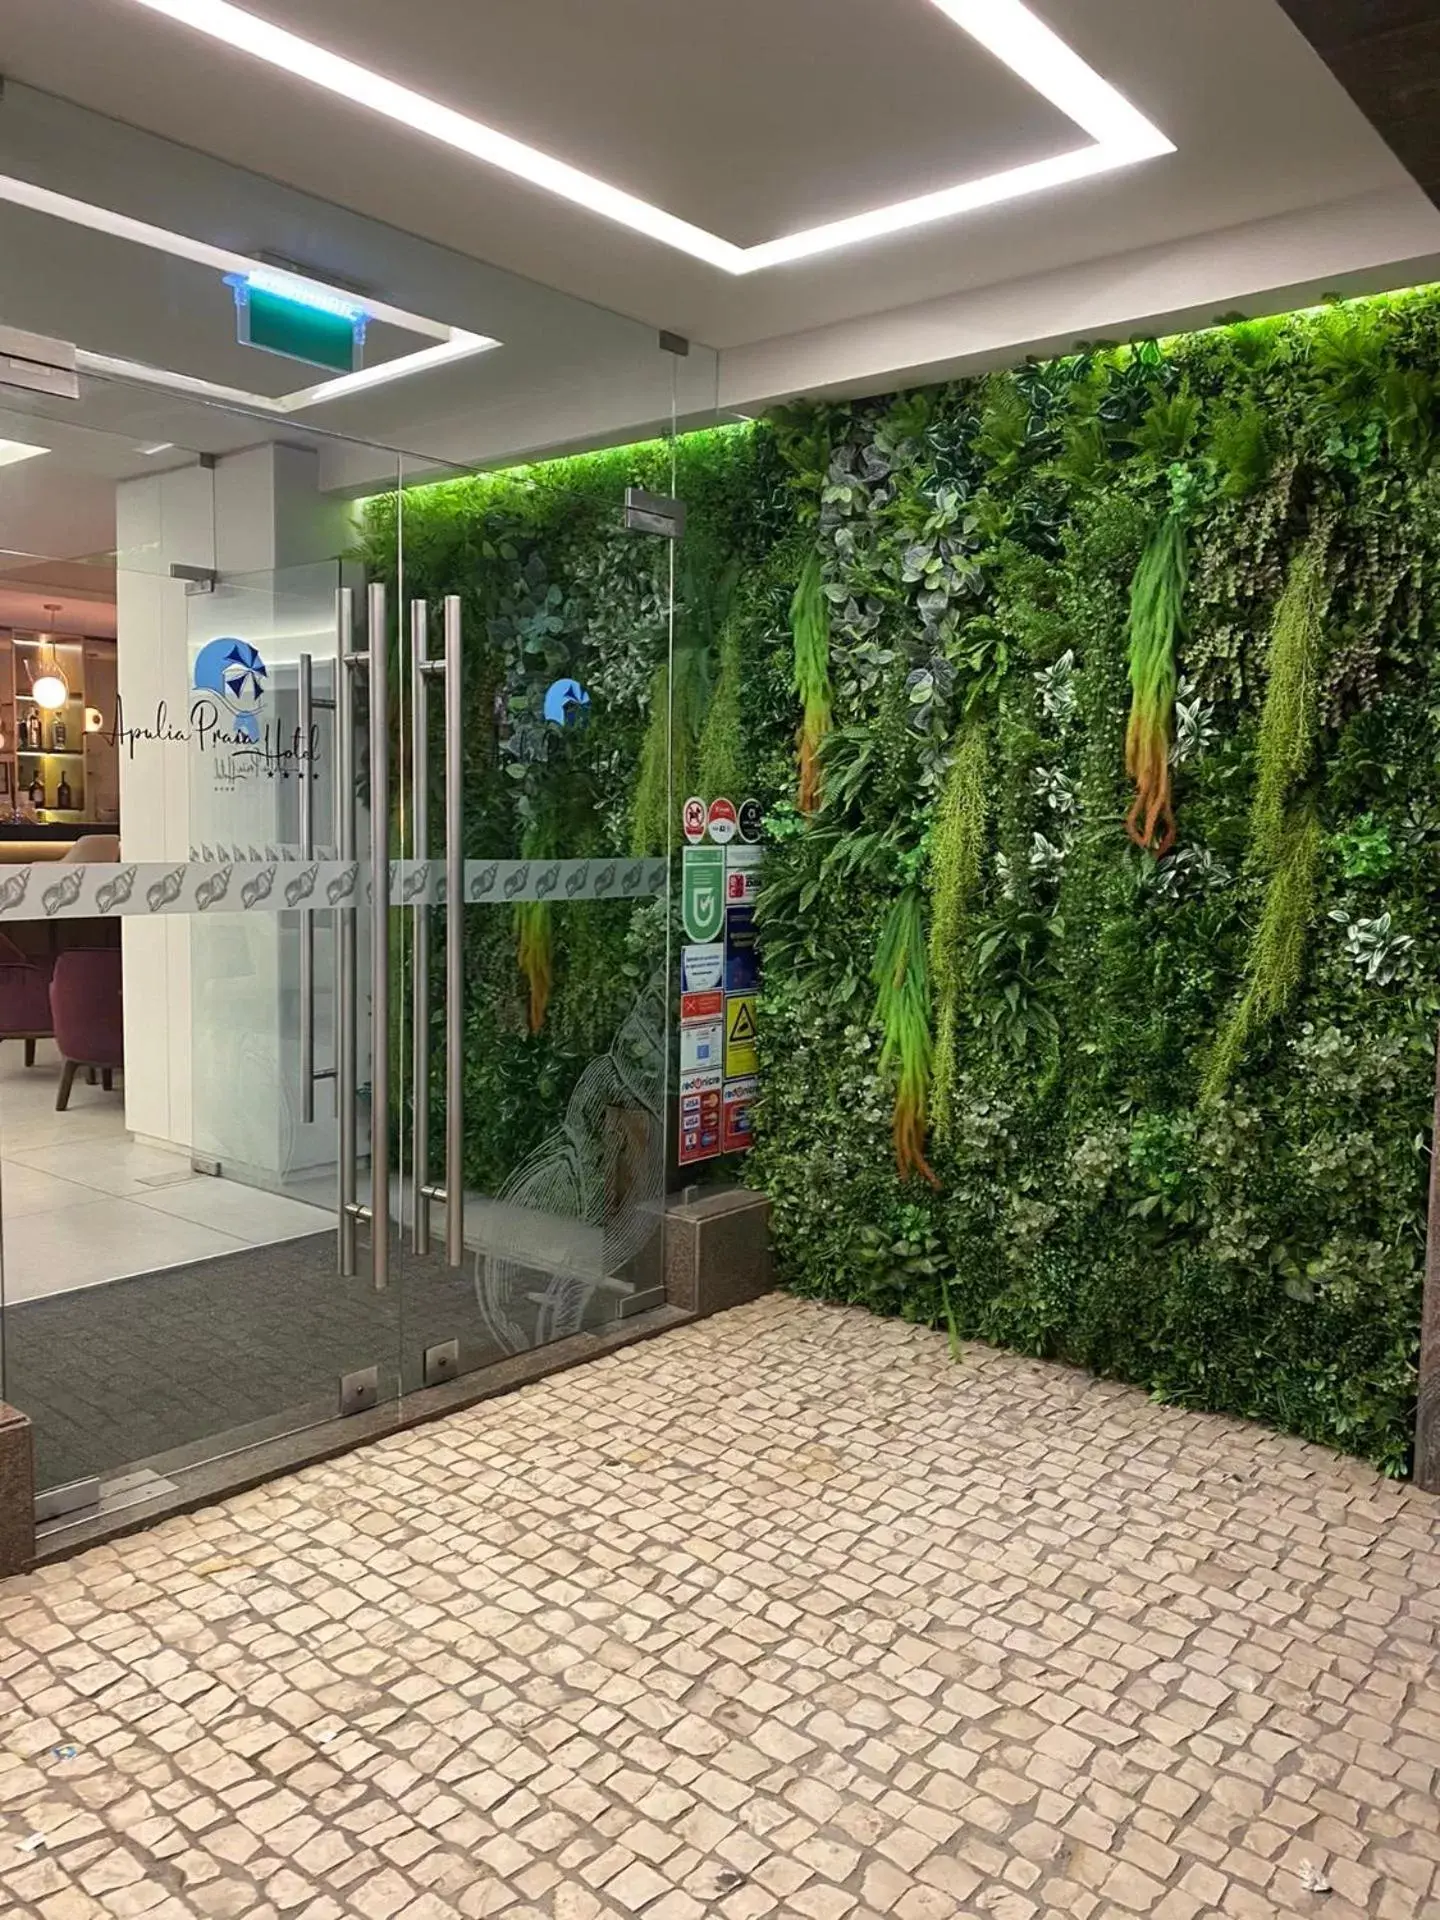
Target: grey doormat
x=115, y=1374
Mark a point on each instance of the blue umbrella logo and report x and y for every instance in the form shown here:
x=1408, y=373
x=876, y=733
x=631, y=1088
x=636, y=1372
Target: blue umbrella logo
x=567, y=704
x=234, y=672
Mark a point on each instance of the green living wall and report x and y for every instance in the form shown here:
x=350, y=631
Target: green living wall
x=1096, y=712
x=554, y=587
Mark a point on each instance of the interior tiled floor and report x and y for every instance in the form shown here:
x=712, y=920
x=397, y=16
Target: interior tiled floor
x=785, y=1614
x=83, y=1203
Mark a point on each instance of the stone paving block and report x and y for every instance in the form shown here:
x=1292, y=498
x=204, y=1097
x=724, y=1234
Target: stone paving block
x=784, y=1614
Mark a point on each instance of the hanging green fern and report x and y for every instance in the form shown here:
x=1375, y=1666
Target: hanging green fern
x=722, y=737
x=902, y=1011
x=1168, y=428
x=957, y=845
x=1285, y=750
x=1157, y=615
x=657, y=783
x=810, y=623
x=1277, y=955
x=1242, y=449
x=649, y=810
x=1003, y=433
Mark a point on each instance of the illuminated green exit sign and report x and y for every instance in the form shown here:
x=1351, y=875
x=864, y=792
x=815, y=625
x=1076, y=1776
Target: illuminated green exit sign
x=297, y=321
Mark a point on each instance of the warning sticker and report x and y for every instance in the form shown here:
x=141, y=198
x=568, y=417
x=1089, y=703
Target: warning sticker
x=737, y=1125
x=741, y=1057
x=742, y=874
x=702, y=1006
x=702, y=968
x=702, y=1046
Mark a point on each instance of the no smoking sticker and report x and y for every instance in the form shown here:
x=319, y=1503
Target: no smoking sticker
x=692, y=820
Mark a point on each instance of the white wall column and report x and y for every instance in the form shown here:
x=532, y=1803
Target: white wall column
x=211, y=1006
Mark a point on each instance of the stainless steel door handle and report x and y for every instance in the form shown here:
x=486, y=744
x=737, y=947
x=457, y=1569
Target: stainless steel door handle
x=347, y=998
x=306, y=718
x=379, y=941
x=306, y=763
x=420, y=667
x=345, y=941
x=454, y=939
x=423, y=670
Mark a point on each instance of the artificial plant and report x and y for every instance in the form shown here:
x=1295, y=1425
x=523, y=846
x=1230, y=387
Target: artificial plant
x=810, y=624
x=957, y=847
x=902, y=1012
x=1157, y=614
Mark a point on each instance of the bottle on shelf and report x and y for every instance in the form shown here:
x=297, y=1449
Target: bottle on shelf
x=64, y=800
x=37, y=790
x=57, y=735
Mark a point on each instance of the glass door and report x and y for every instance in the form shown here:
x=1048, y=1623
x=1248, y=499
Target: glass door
x=341, y=1058
x=196, y=1055
x=537, y=993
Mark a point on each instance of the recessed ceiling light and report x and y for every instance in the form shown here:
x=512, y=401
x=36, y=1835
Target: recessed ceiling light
x=160, y=446
x=452, y=343
x=1006, y=28
x=12, y=452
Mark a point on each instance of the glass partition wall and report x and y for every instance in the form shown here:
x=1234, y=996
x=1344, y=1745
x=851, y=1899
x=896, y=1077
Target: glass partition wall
x=315, y=1151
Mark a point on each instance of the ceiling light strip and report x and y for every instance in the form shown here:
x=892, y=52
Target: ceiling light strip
x=1038, y=56
x=279, y=48
x=110, y=366
x=1042, y=176
x=113, y=367
x=451, y=343
x=1006, y=28
x=120, y=226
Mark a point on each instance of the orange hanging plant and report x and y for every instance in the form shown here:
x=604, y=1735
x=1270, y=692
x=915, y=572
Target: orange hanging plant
x=1157, y=615
x=535, y=953
x=535, y=932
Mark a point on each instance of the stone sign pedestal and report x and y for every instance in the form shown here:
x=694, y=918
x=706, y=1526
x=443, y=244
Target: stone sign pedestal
x=17, y=1492
x=717, y=1252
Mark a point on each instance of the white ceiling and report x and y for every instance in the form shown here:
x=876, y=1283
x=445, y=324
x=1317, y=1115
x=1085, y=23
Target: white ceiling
x=740, y=118
x=89, y=612
x=750, y=118
x=749, y=115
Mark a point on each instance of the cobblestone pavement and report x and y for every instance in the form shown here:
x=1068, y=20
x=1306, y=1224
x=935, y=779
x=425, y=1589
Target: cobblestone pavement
x=783, y=1614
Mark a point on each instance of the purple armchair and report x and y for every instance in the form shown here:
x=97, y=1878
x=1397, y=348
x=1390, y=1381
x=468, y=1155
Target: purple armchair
x=88, y=1014
x=27, y=962
x=24, y=996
